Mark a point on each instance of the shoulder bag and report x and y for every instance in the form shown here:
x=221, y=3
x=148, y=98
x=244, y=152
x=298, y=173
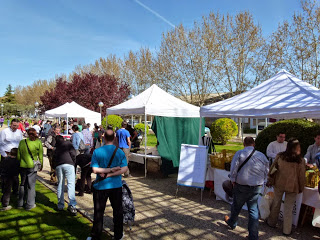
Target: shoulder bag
x=36, y=163
x=272, y=173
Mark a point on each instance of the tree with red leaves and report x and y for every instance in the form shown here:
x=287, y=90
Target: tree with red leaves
x=87, y=90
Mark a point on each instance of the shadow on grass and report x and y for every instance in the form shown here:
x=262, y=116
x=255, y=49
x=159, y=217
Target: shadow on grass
x=44, y=221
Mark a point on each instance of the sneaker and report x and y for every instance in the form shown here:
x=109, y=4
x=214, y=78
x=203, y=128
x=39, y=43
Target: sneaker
x=28, y=209
x=6, y=208
x=89, y=238
x=72, y=210
x=226, y=219
x=80, y=194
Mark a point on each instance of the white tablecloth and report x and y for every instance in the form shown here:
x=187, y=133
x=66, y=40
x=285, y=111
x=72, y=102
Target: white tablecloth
x=311, y=197
x=210, y=173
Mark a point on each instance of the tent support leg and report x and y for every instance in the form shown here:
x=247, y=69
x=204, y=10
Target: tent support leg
x=177, y=191
x=257, y=128
x=200, y=127
x=67, y=126
x=145, y=145
x=132, y=125
x=241, y=129
x=266, y=122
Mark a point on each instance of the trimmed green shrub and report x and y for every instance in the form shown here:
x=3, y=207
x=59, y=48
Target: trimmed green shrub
x=113, y=120
x=303, y=130
x=223, y=129
x=140, y=127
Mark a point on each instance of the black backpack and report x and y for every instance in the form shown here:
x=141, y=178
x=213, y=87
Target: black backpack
x=129, y=211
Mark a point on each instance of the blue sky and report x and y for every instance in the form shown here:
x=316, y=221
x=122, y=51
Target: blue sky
x=39, y=39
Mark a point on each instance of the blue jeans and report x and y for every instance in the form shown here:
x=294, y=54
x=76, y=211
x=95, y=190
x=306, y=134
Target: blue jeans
x=245, y=194
x=66, y=171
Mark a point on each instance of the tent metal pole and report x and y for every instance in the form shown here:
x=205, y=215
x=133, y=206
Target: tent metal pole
x=266, y=122
x=132, y=125
x=145, y=145
x=242, y=128
x=257, y=128
x=67, y=125
x=200, y=127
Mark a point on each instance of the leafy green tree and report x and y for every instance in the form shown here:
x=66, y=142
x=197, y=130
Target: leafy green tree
x=9, y=95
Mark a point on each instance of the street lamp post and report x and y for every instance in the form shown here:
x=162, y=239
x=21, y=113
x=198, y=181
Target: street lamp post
x=2, y=106
x=100, y=105
x=36, y=104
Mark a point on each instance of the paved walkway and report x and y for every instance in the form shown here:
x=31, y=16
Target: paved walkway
x=159, y=215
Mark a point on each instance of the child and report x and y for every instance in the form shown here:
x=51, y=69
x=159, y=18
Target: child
x=9, y=171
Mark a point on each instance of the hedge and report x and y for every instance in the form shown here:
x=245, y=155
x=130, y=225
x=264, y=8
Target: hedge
x=223, y=129
x=140, y=127
x=303, y=130
x=113, y=120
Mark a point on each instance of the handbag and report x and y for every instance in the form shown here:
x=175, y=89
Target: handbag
x=265, y=203
x=227, y=185
x=37, y=163
x=82, y=146
x=272, y=174
x=103, y=178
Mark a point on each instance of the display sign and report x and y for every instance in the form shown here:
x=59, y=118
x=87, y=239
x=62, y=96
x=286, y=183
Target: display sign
x=192, y=166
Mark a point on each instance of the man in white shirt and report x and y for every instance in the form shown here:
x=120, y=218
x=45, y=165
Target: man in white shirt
x=37, y=128
x=275, y=147
x=10, y=138
x=312, y=151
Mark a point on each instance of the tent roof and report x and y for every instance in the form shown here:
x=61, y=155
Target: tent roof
x=282, y=96
x=155, y=101
x=72, y=110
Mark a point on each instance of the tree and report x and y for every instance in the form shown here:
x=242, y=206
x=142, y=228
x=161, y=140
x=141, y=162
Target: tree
x=9, y=95
x=28, y=95
x=295, y=46
x=87, y=90
x=138, y=70
x=219, y=54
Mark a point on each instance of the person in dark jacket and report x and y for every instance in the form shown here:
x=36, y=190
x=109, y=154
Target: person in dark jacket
x=9, y=171
x=83, y=161
x=50, y=143
x=64, y=163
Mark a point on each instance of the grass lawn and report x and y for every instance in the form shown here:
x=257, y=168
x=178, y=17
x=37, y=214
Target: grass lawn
x=151, y=140
x=43, y=222
x=230, y=146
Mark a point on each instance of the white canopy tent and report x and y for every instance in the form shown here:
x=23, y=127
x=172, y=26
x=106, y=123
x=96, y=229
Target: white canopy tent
x=74, y=110
x=282, y=96
x=155, y=102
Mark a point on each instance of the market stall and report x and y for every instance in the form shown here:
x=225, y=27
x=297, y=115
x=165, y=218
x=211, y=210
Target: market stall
x=283, y=96
x=74, y=110
x=155, y=102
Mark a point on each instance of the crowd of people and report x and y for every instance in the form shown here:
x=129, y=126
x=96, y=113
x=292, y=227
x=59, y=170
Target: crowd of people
x=100, y=151
x=283, y=168
x=106, y=153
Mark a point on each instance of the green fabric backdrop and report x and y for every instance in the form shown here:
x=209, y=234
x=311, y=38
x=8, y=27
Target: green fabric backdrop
x=171, y=132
